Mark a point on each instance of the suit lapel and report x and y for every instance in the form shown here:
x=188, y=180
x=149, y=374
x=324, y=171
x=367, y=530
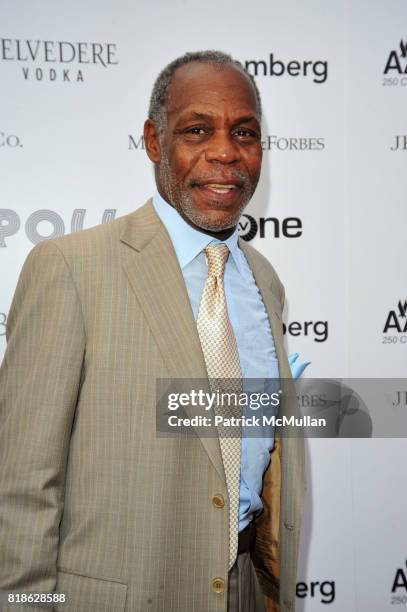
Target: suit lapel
x=156, y=278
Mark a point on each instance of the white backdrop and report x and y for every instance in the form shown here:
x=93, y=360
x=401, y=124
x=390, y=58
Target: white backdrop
x=335, y=142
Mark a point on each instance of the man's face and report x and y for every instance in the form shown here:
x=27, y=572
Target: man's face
x=208, y=158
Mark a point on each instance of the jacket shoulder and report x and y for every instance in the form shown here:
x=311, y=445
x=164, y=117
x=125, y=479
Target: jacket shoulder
x=98, y=238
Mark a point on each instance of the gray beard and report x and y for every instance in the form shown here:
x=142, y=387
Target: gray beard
x=182, y=200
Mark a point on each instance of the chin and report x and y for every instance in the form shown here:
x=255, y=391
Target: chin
x=213, y=219
x=214, y=224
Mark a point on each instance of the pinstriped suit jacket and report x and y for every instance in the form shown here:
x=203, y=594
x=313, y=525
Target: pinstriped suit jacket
x=92, y=503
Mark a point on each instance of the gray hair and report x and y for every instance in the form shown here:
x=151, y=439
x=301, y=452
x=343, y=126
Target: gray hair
x=157, y=109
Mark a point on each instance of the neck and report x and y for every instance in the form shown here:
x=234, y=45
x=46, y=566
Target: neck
x=222, y=235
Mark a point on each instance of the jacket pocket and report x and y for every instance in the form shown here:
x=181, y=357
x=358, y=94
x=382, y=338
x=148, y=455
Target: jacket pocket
x=84, y=593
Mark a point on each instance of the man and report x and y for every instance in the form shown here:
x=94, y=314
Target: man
x=94, y=505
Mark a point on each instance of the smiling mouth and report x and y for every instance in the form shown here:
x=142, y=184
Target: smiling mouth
x=219, y=188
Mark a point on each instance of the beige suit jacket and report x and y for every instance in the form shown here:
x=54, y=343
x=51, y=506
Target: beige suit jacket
x=93, y=504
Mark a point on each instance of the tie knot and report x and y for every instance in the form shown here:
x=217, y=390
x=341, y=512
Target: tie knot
x=217, y=255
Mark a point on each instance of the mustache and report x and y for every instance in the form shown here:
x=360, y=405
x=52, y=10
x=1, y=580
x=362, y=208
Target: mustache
x=236, y=175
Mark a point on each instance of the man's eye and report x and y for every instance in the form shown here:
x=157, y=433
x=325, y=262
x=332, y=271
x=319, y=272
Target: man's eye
x=196, y=130
x=242, y=133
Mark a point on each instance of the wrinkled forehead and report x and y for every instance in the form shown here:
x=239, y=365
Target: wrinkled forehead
x=211, y=88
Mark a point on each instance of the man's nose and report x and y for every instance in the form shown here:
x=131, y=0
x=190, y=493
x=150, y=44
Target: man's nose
x=222, y=148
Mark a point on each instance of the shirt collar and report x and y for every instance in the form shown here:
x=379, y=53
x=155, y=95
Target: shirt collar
x=187, y=241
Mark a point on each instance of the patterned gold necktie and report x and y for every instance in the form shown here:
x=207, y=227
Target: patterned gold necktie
x=222, y=362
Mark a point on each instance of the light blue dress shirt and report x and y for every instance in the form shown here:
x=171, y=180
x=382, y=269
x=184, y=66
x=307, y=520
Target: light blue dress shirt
x=251, y=326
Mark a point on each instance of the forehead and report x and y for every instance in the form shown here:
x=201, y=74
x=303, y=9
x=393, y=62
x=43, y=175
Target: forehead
x=210, y=88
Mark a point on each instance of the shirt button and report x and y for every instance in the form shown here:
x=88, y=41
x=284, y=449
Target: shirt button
x=218, y=501
x=218, y=585
x=287, y=604
x=288, y=525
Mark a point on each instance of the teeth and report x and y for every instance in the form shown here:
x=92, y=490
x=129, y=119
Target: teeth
x=220, y=188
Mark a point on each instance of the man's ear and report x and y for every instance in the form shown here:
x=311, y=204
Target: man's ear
x=151, y=141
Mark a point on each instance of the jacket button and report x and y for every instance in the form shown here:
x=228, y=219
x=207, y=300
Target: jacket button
x=288, y=525
x=218, y=585
x=218, y=501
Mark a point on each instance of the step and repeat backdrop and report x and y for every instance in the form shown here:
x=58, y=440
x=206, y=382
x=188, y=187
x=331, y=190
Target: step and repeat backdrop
x=330, y=211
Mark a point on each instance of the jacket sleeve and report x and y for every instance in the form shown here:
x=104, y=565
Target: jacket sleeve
x=39, y=384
